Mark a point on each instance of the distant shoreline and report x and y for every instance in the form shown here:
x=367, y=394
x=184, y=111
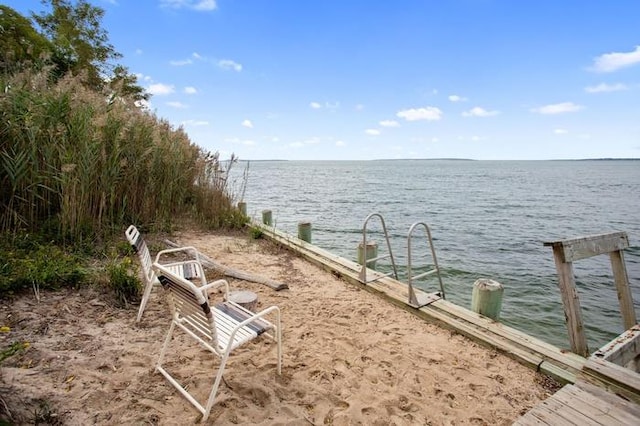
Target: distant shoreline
x=452, y=159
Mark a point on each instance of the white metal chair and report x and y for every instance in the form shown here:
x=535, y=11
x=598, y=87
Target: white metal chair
x=140, y=247
x=220, y=328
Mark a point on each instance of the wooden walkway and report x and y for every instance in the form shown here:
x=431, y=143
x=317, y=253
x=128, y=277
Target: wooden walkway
x=582, y=404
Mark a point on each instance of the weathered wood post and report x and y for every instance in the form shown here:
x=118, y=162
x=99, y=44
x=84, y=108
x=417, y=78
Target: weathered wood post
x=486, y=298
x=304, y=231
x=371, y=252
x=267, y=217
x=242, y=206
x=565, y=252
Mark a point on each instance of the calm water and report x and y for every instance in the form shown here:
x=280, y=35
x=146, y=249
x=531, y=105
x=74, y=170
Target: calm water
x=488, y=219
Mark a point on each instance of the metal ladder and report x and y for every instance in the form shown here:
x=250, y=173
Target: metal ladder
x=418, y=301
x=365, y=261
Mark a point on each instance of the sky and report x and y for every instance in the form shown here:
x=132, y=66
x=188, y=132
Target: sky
x=373, y=79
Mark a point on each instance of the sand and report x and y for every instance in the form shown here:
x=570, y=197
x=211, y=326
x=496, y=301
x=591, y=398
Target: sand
x=349, y=358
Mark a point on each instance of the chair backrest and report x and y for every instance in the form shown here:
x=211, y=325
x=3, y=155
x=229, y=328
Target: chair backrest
x=191, y=308
x=140, y=247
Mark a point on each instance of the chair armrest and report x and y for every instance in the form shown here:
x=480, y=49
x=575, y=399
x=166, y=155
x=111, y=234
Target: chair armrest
x=259, y=315
x=188, y=249
x=215, y=285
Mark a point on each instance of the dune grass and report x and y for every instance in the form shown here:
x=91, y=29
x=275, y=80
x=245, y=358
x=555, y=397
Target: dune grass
x=78, y=166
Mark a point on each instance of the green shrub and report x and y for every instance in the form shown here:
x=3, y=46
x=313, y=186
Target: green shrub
x=30, y=264
x=255, y=233
x=124, y=281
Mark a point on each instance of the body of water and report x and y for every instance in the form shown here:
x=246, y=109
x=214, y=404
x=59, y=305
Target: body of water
x=489, y=219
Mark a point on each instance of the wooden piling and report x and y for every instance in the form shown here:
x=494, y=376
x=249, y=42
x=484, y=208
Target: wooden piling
x=371, y=253
x=267, y=217
x=486, y=298
x=242, y=206
x=304, y=231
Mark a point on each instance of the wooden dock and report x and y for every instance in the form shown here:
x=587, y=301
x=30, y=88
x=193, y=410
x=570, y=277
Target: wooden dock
x=597, y=391
x=582, y=404
x=535, y=353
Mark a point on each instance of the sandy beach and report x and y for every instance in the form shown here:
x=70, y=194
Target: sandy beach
x=349, y=358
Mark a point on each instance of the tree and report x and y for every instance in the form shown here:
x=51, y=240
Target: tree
x=124, y=84
x=80, y=43
x=20, y=44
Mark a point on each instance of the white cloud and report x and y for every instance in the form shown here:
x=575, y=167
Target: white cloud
x=176, y=104
x=560, y=131
x=195, y=123
x=248, y=124
x=414, y=114
x=139, y=52
x=614, y=61
x=197, y=56
x=479, y=112
x=275, y=139
x=389, y=123
x=190, y=90
x=434, y=139
x=340, y=143
x=604, y=87
x=456, y=98
x=160, y=89
x=327, y=105
x=372, y=132
x=142, y=77
x=228, y=64
x=296, y=144
x=558, y=108
x=201, y=5
x=248, y=143
x=359, y=107
x=181, y=63
x=476, y=138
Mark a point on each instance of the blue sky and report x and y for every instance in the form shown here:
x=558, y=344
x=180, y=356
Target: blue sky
x=339, y=79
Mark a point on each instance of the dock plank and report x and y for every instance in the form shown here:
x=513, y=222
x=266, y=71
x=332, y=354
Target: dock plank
x=582, y=406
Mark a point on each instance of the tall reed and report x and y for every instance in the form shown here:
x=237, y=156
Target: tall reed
x=83, y=164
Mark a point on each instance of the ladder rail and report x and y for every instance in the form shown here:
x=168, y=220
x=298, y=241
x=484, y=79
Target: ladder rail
x=365, y=261
x=413, y=300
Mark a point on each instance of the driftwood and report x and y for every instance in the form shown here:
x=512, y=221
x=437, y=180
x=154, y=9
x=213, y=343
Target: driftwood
x=235, y=273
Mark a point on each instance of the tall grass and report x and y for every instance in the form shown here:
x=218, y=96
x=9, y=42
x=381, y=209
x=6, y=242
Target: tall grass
x=81, y=165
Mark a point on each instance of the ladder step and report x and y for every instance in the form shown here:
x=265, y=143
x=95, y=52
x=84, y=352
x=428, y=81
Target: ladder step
x=384, y=256
x=424, y=274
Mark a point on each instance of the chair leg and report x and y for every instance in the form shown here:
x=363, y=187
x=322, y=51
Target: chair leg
x=167, y=339
x=279, y=342
x=145, y=299
x=216, y=384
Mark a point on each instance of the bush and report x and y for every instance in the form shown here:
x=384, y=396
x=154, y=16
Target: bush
x=35, y=265
x=255, y=233
x=124, y=281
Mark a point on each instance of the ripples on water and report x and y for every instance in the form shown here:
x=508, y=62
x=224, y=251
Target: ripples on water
x=488, y=219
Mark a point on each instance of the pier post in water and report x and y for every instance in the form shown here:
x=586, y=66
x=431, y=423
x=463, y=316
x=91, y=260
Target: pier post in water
x=486, y=298
x=371, y=252
x=304, y=231
x=267, y=218
x=242, y=206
